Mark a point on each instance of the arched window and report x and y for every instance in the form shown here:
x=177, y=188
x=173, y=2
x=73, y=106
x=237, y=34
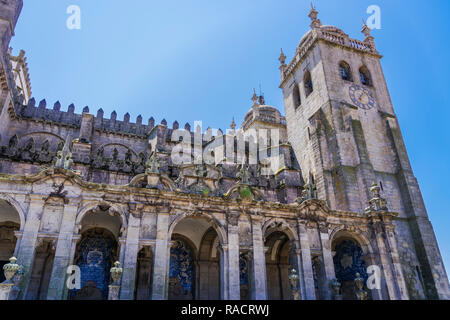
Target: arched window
x=296, y=96
x=346, y=73
x=365, y=76
x=307, y=81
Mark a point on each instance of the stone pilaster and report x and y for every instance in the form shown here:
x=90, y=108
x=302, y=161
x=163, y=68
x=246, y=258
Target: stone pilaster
x=63, y=251
x=397, y=268
x=306, y=275
x=130, y=259
x=386, y=266
x=27, y=248
x=5, y=290
x=223, y=249
x=327, y=257
x=258, y=276
x=18, y=235
x=161, y=257
x=233, y=257
x=73, y=247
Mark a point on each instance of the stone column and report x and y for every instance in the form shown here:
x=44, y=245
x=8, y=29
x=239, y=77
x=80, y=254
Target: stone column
x=327, y=257
x=296, y=254
x=62, y=252
x=161, y=257
x=27, y=248
x=233, y=258
x=73, y=247
x=306, y=276
x=122, y=245
x=259, y=276
x=223, y=249
x=130, y=259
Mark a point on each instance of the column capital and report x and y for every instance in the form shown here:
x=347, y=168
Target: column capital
x=222, y=247
x=36, y=197
x=18, y=234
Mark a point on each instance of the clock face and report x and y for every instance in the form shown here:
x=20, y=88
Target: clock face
x=361, y=97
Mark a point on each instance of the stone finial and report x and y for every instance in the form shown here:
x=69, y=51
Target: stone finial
x=187, y=127
x=293, y=280
x=282, y=58
x=57, y=106
x=64, y=156
x=86, y=109
x=233, y=125
x=10, y=269
x=126, y=118
x=175, y=125
x=365, y=29
x=369, y=40
x=114, y=116
x=71, y=108
x=335, y=286
x=361, y=294
x=139, y=120
x=315, y=23
x=261, y=100
x=164, y=122
x=116, y=272
x=254, y=98
x=377, y=203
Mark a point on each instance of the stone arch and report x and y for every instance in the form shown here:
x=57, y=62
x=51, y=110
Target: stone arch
x=350, y=253
x=112, y=207
x=95, y=253
x=279, y=260
x=198, y=232
x=308, y=83
x=359, y=237
x=277, y=224
x=365, y=76
x=116, y=144
x=215, y=223
x=345, y=71
x=183, y=269
x=17, y=206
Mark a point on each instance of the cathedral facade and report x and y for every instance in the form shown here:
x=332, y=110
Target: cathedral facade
x=93, y=207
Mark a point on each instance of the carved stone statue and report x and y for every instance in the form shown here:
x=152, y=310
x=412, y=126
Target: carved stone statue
x=59, y=163
x=152, y=165
x=244, y=174
x=68, y=161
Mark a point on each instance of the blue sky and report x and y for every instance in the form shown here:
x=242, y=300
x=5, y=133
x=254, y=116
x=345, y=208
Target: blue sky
x=199, y=60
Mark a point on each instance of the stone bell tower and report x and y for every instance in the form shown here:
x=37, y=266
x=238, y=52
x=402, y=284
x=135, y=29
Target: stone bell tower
x=345, y=134
x=9, y=14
